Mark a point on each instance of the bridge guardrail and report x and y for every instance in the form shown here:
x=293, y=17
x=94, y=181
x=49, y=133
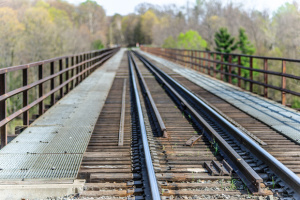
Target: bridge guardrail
x=64, y=73
x=214, y=64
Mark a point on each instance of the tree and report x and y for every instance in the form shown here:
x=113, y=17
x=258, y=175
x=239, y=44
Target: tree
x=169, y=42
x=10, y=30
x=97, y=44
x=286, y=25
x=245, y=47
x=191, y=40
x=39, y=44
x=93, y=16
x=225, y=44
x=148, y=20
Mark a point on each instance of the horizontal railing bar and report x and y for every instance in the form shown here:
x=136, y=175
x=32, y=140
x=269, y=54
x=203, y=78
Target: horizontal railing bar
x=34, y=64
x=34, y=103
x=240, y=66
x=235, y=54
x=29, y=86
x=249, y=80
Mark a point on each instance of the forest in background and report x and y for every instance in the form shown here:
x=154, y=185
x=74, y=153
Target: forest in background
x=32, y=30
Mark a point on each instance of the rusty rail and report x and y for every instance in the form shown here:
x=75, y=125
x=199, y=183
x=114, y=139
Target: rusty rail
x=206, y=62
x=71, y=70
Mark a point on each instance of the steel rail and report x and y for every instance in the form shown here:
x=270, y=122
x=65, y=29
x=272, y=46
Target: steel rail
x=284, y=173
x=242, y=168
x=150, y=169
x=161, y=123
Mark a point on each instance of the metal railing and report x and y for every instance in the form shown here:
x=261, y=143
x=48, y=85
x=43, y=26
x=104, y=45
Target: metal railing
x=64, y=73
x=227, y=67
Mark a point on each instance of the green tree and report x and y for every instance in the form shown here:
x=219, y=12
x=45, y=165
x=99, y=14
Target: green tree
x=245, y=47
x=139, y=37
x=169, y=42
x=225, y=44
x=148, y=20
x=97, y=44
x=191, y=40
x=10, y=30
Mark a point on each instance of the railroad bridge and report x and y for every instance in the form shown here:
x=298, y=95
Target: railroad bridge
x=150, y=123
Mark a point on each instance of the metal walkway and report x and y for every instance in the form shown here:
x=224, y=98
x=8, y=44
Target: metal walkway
x=53, y=146
x=279, y=117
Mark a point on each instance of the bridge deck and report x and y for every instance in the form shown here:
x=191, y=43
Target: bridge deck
x=53, y=146
x=279, y=117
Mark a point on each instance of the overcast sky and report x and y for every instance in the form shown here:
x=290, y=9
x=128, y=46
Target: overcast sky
x=125, y=7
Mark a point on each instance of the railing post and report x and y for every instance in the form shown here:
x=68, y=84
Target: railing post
x=77, y=70
x=221, y=69
x=67, y=75
x=81, y=68
x=61, y=79
x=25, y=97
x=88, y=64
x=84, y=66
x=266, y=78
x=229, y=69
x=239, y=71
x=3, y=110
x=283, y=83
x=52, y=83
x=72, y=72
x=251, y=74
x=41, y=91
x=192, y=63
x=215, y=65
x=200, y=62
x=208, y=63
x=204, y=56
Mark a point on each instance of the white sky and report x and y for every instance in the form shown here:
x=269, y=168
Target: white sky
x=124, y=7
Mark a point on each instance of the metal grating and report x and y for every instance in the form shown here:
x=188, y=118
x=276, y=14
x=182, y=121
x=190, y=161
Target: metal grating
x=53, y=146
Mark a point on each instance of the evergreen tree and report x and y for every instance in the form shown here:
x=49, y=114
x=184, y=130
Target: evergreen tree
x=244, y=44
x=224, y=41
x=225, y=44
x=245, y=47
x=138, y=34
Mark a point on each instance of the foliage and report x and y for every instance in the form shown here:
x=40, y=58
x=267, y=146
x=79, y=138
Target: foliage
x=10, y=31
x=97, y=44
x=225, y=44
x=245, y=47
x=169, y=42
x=148, y=20
x=189, y=40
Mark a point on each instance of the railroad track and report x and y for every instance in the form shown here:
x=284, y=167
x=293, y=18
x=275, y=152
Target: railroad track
x=154, y=139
